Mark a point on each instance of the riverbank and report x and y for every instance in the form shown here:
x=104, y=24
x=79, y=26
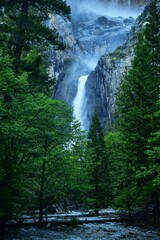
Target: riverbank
x=91, y=231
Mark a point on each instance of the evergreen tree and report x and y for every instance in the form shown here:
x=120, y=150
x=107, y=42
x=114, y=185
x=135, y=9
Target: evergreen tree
x=98, y=165
x=115, y=150
x=24, y=26
x=136, y=101
x=35, y=135
x=154, y=143
x=12, y=90
x=48, y=157
x=37, y=148
x=19, y=30
x=153, y=171
x=48, y=132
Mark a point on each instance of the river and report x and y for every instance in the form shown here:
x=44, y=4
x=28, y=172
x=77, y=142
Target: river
x=107, y=231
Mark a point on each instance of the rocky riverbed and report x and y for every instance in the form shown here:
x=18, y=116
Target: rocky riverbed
x=107, y=231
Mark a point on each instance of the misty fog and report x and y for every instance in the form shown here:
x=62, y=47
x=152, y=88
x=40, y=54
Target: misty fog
x=101, y=8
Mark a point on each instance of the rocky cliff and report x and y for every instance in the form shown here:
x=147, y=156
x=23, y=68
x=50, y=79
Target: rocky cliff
x=103, y=82
x=63, y=62
x=89, y=37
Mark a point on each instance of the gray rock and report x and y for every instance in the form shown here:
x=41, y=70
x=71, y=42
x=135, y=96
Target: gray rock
x=103, y=82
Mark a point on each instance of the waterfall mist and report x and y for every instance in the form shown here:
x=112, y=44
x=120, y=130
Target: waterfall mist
x=103, y=8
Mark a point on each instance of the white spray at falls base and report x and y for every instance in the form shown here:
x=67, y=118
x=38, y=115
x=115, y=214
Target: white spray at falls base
x=79, y=101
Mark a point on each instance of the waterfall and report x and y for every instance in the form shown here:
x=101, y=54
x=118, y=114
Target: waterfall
x=78, y=102
x=98, y=28
x=109, y=41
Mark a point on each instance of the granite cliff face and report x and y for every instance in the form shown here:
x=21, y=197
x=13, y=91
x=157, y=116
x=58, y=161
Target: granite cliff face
x=64, y=28
x=64, y=61
x=102, y=85
x=103, y=82
x=88, y=38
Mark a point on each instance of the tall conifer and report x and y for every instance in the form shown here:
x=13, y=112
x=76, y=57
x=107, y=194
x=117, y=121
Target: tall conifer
x=98, y=173
x=137, y=104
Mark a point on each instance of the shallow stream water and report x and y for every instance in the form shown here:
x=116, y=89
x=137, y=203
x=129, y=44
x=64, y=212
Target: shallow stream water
x=107, y=231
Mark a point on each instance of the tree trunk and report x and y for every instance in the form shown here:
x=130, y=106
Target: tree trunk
x=41, y=195
x=20, y=36
x=40, y=222
x=156, y=208
x=82, y=220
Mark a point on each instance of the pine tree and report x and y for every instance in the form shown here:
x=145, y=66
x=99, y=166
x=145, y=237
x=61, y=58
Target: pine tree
x=37, y=147
x=24, y=35
x=98, y=172
x=136, y=101
x=12, y=90
x=24, y=27
x=24, y=32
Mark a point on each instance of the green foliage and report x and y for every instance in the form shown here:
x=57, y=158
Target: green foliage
x=39, y=78
x=42, y=148
x=118, y=54
x=12, y=89
x=21, y=14
x=25, y=34
x=154, y=154
x=115, y=150
x=98, y=165
x=137, y=122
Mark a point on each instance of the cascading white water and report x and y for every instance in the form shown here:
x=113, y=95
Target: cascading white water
x=79, y=100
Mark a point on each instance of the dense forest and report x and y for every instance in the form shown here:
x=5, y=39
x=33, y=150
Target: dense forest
x=45, y=156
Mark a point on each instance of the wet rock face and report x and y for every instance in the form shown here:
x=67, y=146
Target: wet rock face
x=67, y=83
x=102, y=85
x=59, y=58
x=64, y=61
